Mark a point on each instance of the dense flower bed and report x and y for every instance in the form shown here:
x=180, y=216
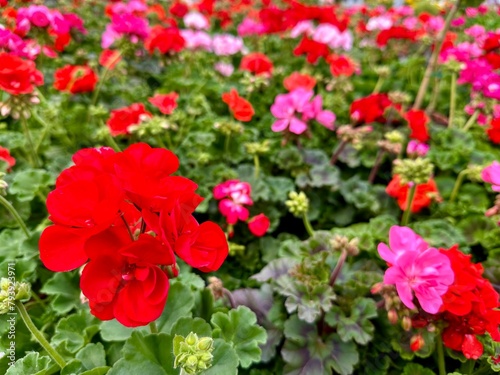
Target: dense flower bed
x=251, y=187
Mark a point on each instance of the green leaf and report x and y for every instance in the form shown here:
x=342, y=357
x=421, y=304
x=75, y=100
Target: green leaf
x=92, y=356
x=239, y=328
x=416, y=369
x=112, y=330
x=184, y=326
x=146, y=354
x=27, y=183
x=439, y=233
x=32, y=364
x=64, y=286
x=225, y=360
x=180, y=302
x=75, y=331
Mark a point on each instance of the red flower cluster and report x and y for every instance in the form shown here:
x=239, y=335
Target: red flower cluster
x=125, y=217
x=6, y=157
x=109, y=58
x=424, y=193
x=418, y=121
x=312, y=49
x=122, y=119
x=491, y=48
x=296, y=80
x=241, y=108
x=257, y=63
x=166, y=103
x=494, y=130
x=370, y=108
x=75, y=79
x=164, y=40
x=18, y=76
x=342, y=65
x=396, y=32
x=470, y=306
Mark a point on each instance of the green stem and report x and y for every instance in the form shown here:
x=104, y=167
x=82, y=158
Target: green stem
x=226, y=144
x=436, y=87
x=160, y=141
x=112, y=142
x=472, y=120
x=336, y=271
x=169, y=141
x=152, y=327
x=407, y=213
x=434, y=57
x=468, y=367
x=307, y=224
x=457, y=185
x=39, y=336
x=15, y=214
x=34, y=156
x=46, y=129
x=256, y=163
x=453, y=101
x=440, y=355
x=378, y=85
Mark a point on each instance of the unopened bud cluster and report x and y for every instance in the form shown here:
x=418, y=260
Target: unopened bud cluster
x=399, y=97
x=192, y=353
x=382, y=71
x=418, y=170
x=254, y=82
x=216, y=286
x=298, y=203
x=3, y=185
x=18, y=105
x=473, y=173
x=155, y=125
x=342, y=243
x=229, y=127
x=393, y=142
x=11, y=291
x=257, y=148
x=353, y=135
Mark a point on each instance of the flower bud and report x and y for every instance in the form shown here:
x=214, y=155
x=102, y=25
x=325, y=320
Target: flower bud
x=193, y=354
x=11, y=291
x=417, y=170
x=298, y=203
x=417, y=342
x=392, y=315
x=406, y=323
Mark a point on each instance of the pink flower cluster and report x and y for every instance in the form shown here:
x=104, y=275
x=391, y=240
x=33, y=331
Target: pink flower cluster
x=233, y=196
x=491, y=175
x=125, y=24
x=43, y=17
x=324, y=33
x=294, y=109
x=14, y=44
x=416, y=269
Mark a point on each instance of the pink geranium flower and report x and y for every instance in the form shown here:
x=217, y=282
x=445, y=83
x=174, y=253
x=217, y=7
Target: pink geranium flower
x=491, y=175
x=416, y=269
x=234, y=195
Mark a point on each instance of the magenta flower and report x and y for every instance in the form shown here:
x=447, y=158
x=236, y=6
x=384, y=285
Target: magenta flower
x=294, y=109
x=233, y=194
x=491, y=175
x=416, y=269
x=417, y=148
x=250, y=27
x=125, y=24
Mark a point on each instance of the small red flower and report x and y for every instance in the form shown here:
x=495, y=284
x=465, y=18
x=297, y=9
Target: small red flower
x=396, y=32
x=75, y=79
x=166, y=103
x=165, y=40
x=257, y=63
x=5, y=156
x=259, y=225
x=370, y=108
x=341, y=65
x=18, y=76
x=416, y=343
x=122, y=118
x=312, y=49
x=494, y=130
x=297, y=80
x=424, y=193
x=109, y=58
x=241, y=108
x=418, y=121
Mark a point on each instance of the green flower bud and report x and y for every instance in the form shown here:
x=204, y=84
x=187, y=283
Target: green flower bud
x=474, y=173
x=11, y=291
x=394, y=136
x=193, y=354
x=399, y=97
x=229, y=127
x=3, y=185
x=257, y=148
x=382, y=71
x=298, y=204
x=235, y=249
x=417, y=170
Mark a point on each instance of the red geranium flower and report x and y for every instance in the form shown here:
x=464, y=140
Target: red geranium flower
x=109, y=58
x=494, y=130
x=424, y=193
x=417, y=121
x=122, y=118
x=75, y=79
x=164, y=40
x=241, y=108
x=341, y=65
x=18, y=76
x=5, y=156
x=370, y=108
x=396, y=32
x=312, y=49
x=166, y=103
x=259, y=225
x=257, y=63
x=296, y=80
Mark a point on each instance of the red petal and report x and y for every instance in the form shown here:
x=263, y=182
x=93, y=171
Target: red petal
x=472, y=347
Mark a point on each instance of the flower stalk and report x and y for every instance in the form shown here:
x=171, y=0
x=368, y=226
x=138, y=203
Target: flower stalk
x=453, y=99
x=457, y=185
x=336, y=271
x=307, y=224
x=153, y=327
x=440, y=355
x=472, y=120
x=9, y=207
x=407, y=213
x=39, y=336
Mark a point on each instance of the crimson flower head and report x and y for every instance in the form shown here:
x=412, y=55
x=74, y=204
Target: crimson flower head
x=370, y=108
x=109, y=58
x=312, y=49
x=396, y=32
x=424, y=193
x=126, y=219
x=166, y=103
x=494, y=130
x=297, y=80
x=75, y=79
x=342, y=65
x=165, y=40
x=241, y=108
x=418, y=121
x=257, y=63
x=18, y=76
x=7, y=158
x=259, y=225
x=122, y=119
